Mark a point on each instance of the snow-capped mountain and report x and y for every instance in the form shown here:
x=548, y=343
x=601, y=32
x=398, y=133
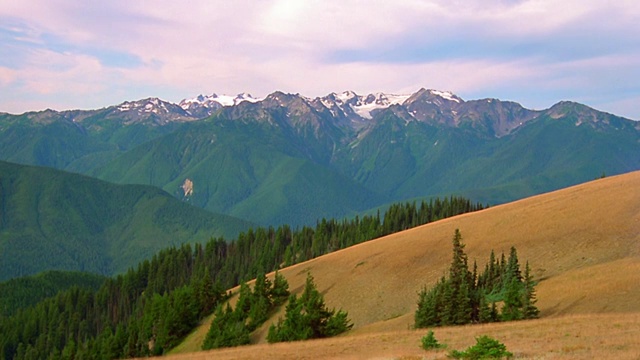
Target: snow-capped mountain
x=203, y=106
x=346, y=109
x=365, y=106
x=159, y=111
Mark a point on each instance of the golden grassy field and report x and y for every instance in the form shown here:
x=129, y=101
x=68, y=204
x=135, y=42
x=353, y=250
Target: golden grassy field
x=583, y=244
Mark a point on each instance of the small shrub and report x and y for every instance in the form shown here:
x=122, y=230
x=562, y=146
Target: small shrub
x=429, y=342
x=485, y=348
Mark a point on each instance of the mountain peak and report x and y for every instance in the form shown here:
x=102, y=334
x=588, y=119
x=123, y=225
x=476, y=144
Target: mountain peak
x=434, y=96
x=148, y=105
x=204, y=106
x=215, y=101
x=350, y=103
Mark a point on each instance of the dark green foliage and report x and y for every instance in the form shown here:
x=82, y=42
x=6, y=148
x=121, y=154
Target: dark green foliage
x=228, y=329
x=485, y=348
x=512, y=308
x=156, y=304
x=529, y=309
x=232, y=327
x=307, y=317
x=280, y=289
x=468, y=297
x=429, y=341
x=16, y=294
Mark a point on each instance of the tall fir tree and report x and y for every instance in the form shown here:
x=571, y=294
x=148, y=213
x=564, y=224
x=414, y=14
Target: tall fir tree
x=529, y=310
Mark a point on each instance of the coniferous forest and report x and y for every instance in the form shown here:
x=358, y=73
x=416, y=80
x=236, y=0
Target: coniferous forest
x=469, y=297
x=149, y=309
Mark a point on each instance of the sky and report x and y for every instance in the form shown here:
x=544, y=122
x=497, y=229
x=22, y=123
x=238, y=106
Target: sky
x=64, y=54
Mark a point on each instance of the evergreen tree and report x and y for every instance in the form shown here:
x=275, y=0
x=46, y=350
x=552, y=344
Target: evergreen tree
x=512, y=308
x=307, y=317
x=464, y=296
x=513, y=267
x=243, y=306
x=529, y=310
x=280, y=289
x=484, y=311
x=260, y=302
x=227, y=329
x=428, y=313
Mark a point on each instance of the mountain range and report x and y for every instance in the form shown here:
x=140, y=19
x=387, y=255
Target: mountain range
x=287, y=158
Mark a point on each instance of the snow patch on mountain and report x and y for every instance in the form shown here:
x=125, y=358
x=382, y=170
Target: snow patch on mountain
x=378, y=101
x=445, y=95
x=215, y=100
x=150, y=105
x=363, y=106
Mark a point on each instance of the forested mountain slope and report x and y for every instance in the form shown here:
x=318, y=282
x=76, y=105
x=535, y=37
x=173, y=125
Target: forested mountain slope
x=23, y=292
x=51, y=219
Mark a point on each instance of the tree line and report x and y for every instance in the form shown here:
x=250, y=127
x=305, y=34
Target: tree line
x=147, y=310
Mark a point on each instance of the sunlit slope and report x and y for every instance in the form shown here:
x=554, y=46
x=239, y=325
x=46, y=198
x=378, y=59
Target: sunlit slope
x=583, y=244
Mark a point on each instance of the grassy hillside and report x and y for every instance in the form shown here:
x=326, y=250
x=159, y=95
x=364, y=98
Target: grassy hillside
x=50, y=219
x=581, y=242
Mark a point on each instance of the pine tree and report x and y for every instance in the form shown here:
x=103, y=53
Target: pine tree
x=529, y=309
x=513, y=267
x=227, y=329
x=243, y=306
x=315, y=310
x=307, y=317
x=512, y=308
x=260, y=301
x=484, y=312
x=280, y=289
x=294, y=326
x=465, y=296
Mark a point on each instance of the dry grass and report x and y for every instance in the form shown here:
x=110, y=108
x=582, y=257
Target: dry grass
x=601, y=336
x=583, y=244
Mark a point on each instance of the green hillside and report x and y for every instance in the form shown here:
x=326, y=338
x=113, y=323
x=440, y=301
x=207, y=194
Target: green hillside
x=541, y=156
x=250, y=170
x=51, y=139
x=261, y=167
x=73, y=222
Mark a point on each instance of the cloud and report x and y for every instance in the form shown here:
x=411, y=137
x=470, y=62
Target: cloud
x=532, y=51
